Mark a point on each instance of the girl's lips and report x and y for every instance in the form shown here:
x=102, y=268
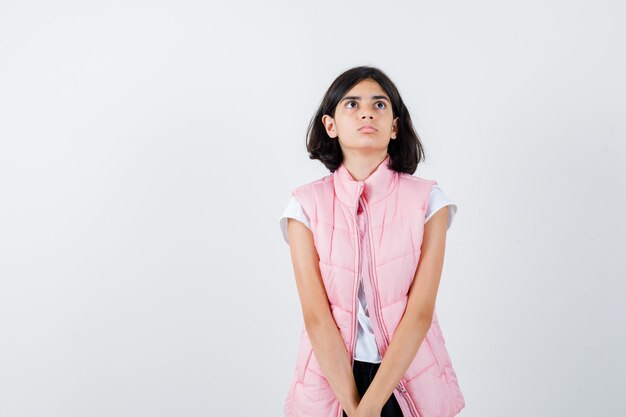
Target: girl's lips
x=367, y=129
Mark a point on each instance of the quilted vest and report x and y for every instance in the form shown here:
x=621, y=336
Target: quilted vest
x=394, y=205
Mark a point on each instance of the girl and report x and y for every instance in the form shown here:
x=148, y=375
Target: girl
x=367, y=245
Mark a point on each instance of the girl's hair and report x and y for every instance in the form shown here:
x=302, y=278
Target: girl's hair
x=405, y=151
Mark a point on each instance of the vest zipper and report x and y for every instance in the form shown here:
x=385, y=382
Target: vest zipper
x=405, y=401
x=355, y=289
x=354, y=296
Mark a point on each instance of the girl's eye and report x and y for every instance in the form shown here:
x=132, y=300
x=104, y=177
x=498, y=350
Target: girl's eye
x=383, y=105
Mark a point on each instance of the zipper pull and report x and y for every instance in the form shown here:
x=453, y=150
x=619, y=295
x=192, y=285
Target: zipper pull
x=360, y=188
x=400, y=387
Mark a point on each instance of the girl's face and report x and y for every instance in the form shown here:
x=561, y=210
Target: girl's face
x=363, y=119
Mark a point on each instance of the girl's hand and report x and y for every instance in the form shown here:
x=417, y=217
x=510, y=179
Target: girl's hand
x=364, y=410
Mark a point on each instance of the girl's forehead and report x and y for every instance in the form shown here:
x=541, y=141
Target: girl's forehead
x=366, y=85
x=371, y=90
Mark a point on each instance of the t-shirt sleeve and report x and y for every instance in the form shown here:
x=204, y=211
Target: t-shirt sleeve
x=437, y=200
x=293, y=210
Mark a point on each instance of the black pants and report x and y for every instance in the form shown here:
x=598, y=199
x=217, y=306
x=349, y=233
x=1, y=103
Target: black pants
x=363, y=374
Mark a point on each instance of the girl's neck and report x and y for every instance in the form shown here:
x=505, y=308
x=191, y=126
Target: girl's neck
x=361, y=166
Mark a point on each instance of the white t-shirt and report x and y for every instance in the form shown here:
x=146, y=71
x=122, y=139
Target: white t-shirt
x=366, y=349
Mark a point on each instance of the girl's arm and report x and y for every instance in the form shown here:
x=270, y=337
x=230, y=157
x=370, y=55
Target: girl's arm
x=320, y=325
x=417, y=317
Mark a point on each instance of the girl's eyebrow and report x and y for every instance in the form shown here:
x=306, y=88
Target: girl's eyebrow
x=359, y=98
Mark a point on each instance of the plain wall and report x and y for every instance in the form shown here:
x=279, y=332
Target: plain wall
x=148, y=149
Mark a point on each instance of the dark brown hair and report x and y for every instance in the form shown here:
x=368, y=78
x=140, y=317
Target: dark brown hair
x=405, y=151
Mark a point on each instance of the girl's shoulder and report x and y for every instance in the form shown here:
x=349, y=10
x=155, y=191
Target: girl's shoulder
x=314, y=183
x=416, y=179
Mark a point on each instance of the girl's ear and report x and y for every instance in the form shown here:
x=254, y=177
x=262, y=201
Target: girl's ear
x=329, y=124
x=394, y=128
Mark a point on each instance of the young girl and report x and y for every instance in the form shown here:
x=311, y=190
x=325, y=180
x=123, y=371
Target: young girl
x=367, y=245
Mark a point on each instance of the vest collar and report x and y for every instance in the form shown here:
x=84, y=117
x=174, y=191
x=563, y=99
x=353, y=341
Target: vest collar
x=375, y=187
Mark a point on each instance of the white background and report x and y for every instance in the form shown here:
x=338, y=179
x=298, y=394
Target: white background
x=147, y=150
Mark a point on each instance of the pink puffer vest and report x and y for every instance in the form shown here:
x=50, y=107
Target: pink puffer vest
x=395, y=206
